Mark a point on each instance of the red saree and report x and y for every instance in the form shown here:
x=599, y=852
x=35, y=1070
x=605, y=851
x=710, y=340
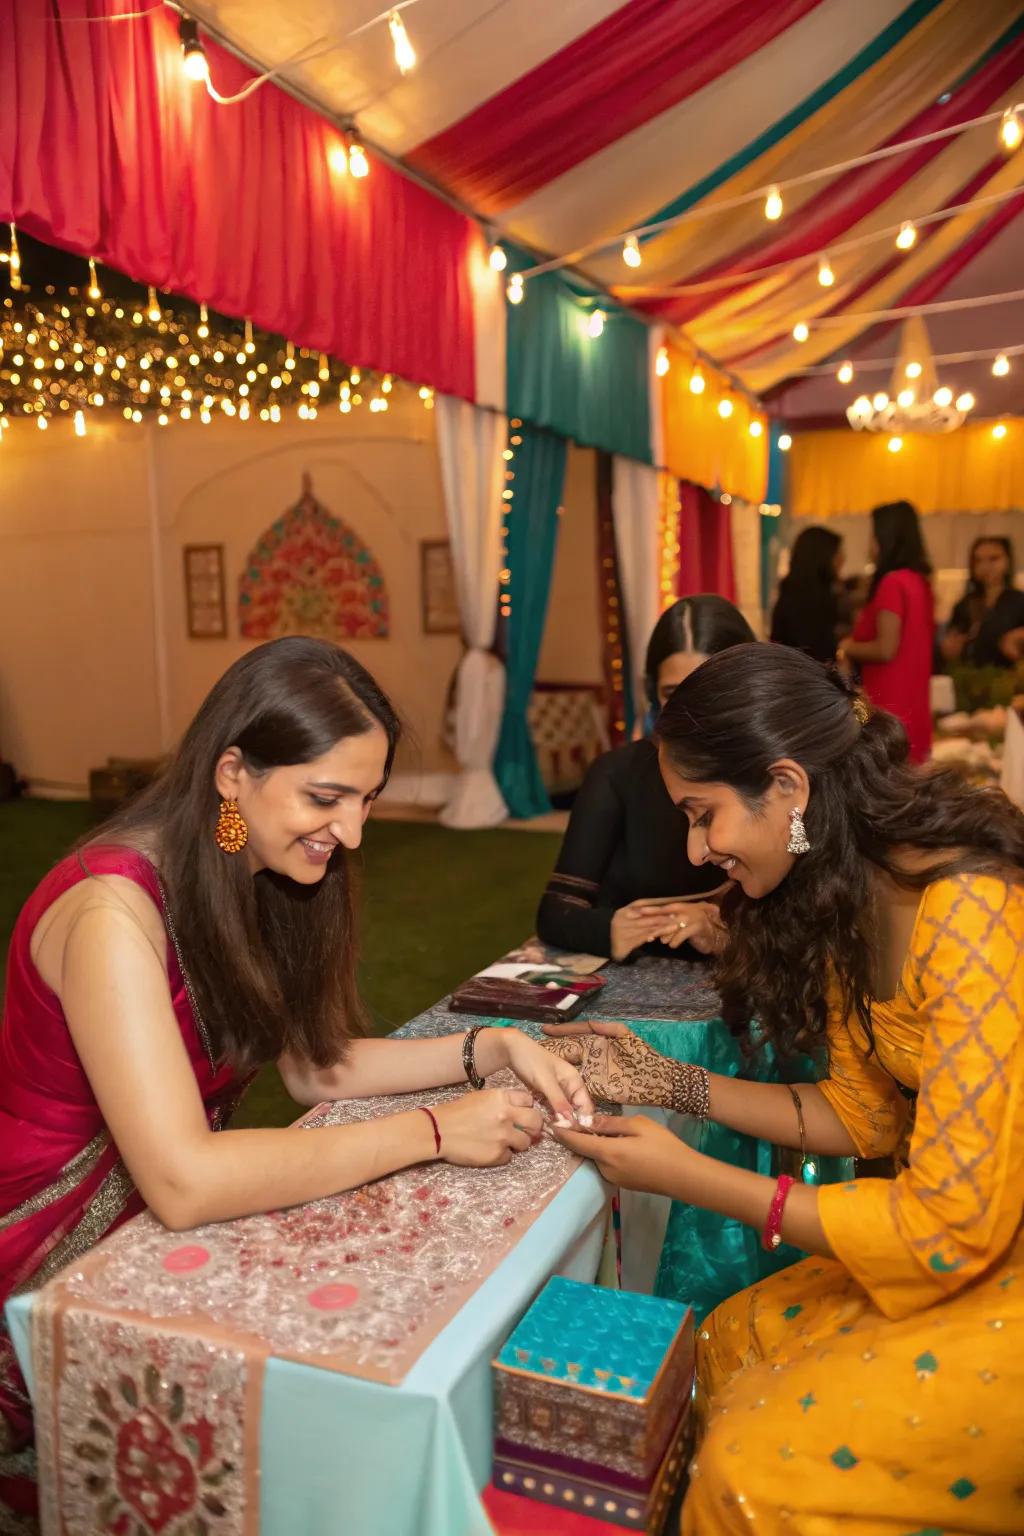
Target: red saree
x=62, y=1184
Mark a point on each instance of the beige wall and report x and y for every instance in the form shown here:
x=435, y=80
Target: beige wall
x=80, y=672
x=571, y=649
x=77, y=679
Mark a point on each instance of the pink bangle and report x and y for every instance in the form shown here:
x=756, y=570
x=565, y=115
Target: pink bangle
x=437, y=1129
x=771, y=1237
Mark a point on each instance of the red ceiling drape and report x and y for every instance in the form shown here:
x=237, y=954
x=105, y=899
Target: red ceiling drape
x=108, y=150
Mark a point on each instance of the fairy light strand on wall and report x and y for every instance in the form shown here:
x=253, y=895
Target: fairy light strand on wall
x=74, y=353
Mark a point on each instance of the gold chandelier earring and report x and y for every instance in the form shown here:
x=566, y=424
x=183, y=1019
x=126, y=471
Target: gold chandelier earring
x=231, y=832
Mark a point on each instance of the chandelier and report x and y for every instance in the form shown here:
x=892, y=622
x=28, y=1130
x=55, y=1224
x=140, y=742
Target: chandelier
x=916, y=401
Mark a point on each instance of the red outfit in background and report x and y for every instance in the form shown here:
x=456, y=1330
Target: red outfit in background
x=902, y=685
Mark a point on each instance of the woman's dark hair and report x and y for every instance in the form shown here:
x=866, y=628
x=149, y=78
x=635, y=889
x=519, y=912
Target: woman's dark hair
x=900, y=545
x=272, y=963
x=812, y=563
x=753, y=706
x=706, y=624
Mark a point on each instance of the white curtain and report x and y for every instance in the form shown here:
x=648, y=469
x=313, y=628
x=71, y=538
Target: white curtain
x=635, y=509
x=745, y=531
x=470, y=443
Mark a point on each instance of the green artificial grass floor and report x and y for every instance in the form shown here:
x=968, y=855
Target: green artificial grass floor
x=437, y=905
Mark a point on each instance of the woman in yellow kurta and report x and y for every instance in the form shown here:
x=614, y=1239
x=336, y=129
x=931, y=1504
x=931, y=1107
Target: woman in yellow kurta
x=877, y=1387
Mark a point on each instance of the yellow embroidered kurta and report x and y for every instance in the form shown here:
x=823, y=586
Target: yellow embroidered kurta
x=881, y=1393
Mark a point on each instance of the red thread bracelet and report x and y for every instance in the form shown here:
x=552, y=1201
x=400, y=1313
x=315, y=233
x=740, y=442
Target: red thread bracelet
x=771, y=1237
x=437, y=1129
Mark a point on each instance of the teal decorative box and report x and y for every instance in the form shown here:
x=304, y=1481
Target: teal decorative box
x=598, y=1379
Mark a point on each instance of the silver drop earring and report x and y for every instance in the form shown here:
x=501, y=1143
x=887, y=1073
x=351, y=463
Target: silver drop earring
x=798, y=842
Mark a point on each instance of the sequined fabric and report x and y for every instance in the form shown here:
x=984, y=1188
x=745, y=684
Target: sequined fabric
x=167, y=1328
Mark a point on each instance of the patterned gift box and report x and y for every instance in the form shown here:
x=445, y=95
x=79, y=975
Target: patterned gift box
x=589, y=1491
x=591, y=1396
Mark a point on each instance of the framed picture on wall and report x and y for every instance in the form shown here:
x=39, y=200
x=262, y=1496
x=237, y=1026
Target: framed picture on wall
x=437, y=584
x=205, y=603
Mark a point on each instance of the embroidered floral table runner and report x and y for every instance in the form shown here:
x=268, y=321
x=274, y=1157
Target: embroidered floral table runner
x=149, y=1354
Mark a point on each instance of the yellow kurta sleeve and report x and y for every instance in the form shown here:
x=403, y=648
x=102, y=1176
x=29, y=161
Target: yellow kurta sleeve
x=954, y=1211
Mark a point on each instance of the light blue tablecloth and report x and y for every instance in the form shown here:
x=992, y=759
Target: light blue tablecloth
x=343, y=1455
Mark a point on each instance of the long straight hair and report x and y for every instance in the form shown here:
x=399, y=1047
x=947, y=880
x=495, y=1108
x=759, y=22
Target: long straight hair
x=755, y=705
x=897, y=533
x=272, y=963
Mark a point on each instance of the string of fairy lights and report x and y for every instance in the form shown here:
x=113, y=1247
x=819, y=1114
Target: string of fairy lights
x=73, y=353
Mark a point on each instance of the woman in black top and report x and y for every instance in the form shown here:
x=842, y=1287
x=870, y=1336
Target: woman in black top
x=986, y=628
x=623, y=881
x=807, y=612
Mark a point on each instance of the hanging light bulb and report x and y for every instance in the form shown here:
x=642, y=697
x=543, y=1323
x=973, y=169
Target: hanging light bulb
x=697, y=381
x=1001, y=366
x=405, y=53
x=93, y=289
x=153, y=306
x=193, y=59
x=203, y=329
x=801, y=331
x=942, y=397
x=785, y=442
x=913, y=370
x=862, y=406
x=498, y=258
x=965, y=402
x=773, y=204
x=1011, y=130
x=826, y=276
x=845, y=374
x=631, y=252
x=42, y=423
x=756, y=428
x=515, y=288
x=661, y=362
x=894, y=444
x=357, y=161
x=880, y=401
x=999, y=430
x=79, y=420
x=725, y=408
x=595, y=325
x=907, y=236
x=905, y=399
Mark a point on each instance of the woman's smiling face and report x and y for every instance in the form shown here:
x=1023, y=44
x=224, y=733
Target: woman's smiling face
x=746, y=839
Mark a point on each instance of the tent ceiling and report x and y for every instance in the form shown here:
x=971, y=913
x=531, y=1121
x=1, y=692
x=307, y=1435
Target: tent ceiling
x=568, y=123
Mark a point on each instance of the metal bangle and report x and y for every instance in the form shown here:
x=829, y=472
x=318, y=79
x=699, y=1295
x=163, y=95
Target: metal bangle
x=469, y=1056
x=800, y=1127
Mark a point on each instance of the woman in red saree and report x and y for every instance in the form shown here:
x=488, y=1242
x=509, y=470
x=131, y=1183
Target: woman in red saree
x=151, y=973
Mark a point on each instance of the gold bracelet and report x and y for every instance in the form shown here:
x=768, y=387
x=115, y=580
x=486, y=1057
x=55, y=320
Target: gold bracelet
x=808, y=1170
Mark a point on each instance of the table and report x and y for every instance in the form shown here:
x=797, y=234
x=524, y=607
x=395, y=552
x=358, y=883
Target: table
x=410, y=1460
x=341, y=1453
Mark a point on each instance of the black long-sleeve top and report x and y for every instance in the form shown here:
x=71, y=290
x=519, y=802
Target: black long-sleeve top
x=982, y=649
x=625, y=841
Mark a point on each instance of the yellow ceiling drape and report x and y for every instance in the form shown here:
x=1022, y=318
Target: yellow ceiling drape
x=977, y=468
x=702, y=446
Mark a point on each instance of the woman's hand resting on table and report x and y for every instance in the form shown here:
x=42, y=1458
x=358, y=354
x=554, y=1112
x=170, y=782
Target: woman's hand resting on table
x=690, y=922
x=671, y=923
x=633, y=1153
x=485, y=1129
x=618, y=1066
